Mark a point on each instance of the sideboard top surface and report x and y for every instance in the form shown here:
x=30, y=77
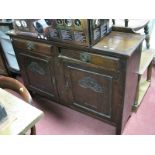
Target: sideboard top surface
x=115, y=43
x=120, y=42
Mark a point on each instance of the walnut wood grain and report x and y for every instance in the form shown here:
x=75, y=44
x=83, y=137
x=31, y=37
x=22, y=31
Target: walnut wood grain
x=94, y=80
x=120, y=43
x=107, y=62
x=33, y=46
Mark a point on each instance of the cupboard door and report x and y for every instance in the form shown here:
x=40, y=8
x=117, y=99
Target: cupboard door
x=89, y=89
x=38, y=73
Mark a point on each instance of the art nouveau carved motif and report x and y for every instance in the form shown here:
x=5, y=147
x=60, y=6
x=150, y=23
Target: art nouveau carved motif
x=35, y=67
x=88, y=82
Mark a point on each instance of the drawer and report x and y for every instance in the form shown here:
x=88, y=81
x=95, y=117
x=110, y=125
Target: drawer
x=107, y=62
x=33, y=46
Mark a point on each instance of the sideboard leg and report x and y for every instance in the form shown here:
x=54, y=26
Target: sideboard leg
x=118, y=130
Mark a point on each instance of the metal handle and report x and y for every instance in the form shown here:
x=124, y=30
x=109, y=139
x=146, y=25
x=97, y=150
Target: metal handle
x=30, y=45
x=85, y=57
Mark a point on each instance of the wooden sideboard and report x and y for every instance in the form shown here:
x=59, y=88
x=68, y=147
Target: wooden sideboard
x=99, y=81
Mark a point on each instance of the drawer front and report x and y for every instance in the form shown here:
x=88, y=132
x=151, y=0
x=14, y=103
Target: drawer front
x=106, y=62
x=33, y=46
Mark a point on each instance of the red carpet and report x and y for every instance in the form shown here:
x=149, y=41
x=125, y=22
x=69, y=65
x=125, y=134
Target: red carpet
x=60, y=120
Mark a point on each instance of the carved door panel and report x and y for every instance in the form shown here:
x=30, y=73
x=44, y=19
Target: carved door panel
x=89, y=89
x=38, y=73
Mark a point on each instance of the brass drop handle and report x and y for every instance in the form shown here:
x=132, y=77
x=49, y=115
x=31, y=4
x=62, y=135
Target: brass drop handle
x=85, y=57
x=30, y=45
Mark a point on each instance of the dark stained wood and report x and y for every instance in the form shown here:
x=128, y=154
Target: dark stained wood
x=3, y=66
x=39, y=75
x=3, y=70
x=119, y=42
x=130, y=87
x=88, y=88
x=96, y=81
x=37, y=66
x=33, y=46
x=106, y=62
